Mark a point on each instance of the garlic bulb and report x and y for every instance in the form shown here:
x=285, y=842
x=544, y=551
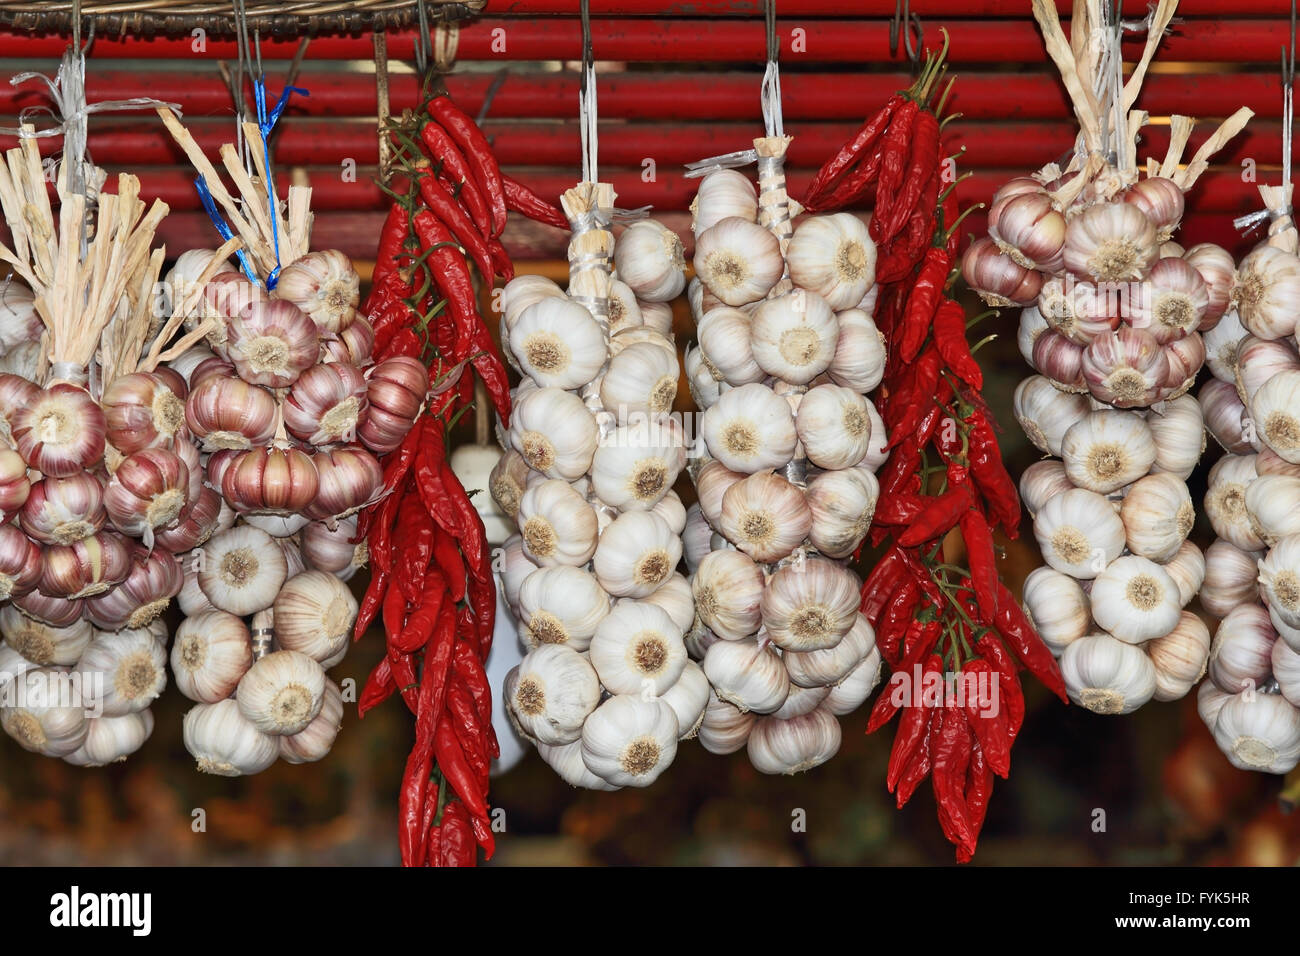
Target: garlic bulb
x=996, y=278
x=1266, y=292
x=704, y=388
x=562, y=605
x=554, y=432
x=1226, y=503
x=210, y=653
x=810, y=605
x=223, y=742
x=1180, y=657
x=724, y=728
x=1178, y=430
x=637, y=649
x=1241, y=656
x=1259, y=732
x=794, y=744
x=1275, y=411
x=1135, y=600
x=750, y=429
x=508, y=480
x=314, y=741
x=842, y=505
x=675, y=598
x=20, y=563
x=551, y=692
x=1187, y=568
x=834, y=426
x=134, y=669
x=688, y=698
x=1215, y=265
x=829, y=666
x=282, y=692
x=1258, y=361
x=1107, y=676
x=1104, y=451
x=148, y=491
x=712, y=481
x=1225, y=416
x=557, y=524
x=566, y=761
x=227, y=412
x=641, y=381
x=271, y=342
x=859, y=360
x=672, y=511
x=648, y=257
x=852, y=692
x=85, y=568
x=242, y=570
x=45, y=710
x=748, y=674
x=834, y=257
x=15, y=485
x=61, y=432
x=324, y=285
x=195, y=526
x=624, y=310
x=112, y=739
x=1209, y=701
x=1125, y=368
x=738, y=260
x=727, y=587
x=1060, y=360
x=765, y=516
x=1161, y=199
x=1279, y=580
x=557, y=343
x=1271, y=508
x=1079, y=533
x=314, y=614
x=52, y=610
x=521, y=292
x=143, y=410
x=327, y=404
x=629, y=741
x=1229, y=578
x=723, y=193
x=723, y=334
x=1111, y=242
x=1045, y=413
x=515, y=567
x=1158, y=515
x=636, y=554
x=332, y=550
x=1221, y=347
x=1029, y=229
x=1057, y=607
x=1032, y=325
x=41, y=644
x=1042, y=481
x=1171, y=302
x=794, y=335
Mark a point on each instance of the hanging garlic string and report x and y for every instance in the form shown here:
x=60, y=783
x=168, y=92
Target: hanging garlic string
x=774, y=212
x=1277, y=199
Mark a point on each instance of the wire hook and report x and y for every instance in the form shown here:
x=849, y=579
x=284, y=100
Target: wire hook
x=909, y=24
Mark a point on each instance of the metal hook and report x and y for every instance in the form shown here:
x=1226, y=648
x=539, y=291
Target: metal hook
x=909, y=24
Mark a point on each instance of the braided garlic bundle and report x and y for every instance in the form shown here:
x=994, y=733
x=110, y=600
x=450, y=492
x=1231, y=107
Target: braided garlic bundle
x=605, y=689
x=788, y=445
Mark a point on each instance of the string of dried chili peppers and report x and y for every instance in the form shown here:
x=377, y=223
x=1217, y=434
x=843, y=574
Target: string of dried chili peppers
x=951, y=635
x=431, y=585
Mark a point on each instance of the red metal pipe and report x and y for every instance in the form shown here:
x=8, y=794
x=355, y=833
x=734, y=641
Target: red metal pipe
x=681, y=41
x=838, y=8
x=669, y=97
x=316, y=142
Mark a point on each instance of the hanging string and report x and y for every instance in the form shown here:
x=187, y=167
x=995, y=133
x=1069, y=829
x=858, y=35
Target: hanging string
x=770, y=95
x=423, y=42
x=1249, y=223
x=587, y=103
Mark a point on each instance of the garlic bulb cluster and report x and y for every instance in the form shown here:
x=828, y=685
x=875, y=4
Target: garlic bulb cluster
x=1250, y=699
x=787, y=355
x=605, y=689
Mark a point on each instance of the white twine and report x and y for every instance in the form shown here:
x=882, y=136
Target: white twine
x=771, y=100
x=1250, y=222
x=587, y=124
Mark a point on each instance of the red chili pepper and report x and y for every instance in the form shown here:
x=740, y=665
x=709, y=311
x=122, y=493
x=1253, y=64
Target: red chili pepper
x=897, y=616
x=991, y=476
x=447, y=556
x=926, y=372
x=476, y=148
x=455, y=219
x=423, y=618
x=469, y=668
x=457, y=771
x=987, y=721
x=918, y=767
x=879, y=584
x=950, y=759
x=455, y=168
x=922, y=302
x=899, y=509
x=457, y=838
x=857, y=186
x=865, y=139
x=378, y=688
x=414, y=545
x=922, y=166
x=1013, y=700
x=982, y=557
x=392, y=239
x=938, y=518
x=979, y=788
x=523, y=200
x=893, y=164
x=451, y=274
x=911, y=727
x=1027, y=645
x=950, y=338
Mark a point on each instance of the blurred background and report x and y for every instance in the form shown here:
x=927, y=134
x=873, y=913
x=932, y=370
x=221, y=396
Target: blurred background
x=679, y=81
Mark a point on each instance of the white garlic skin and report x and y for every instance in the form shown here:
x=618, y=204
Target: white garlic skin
x=810, y=605
x=554, y=431
x=688, y=698
x=1158, y=515
x=1041, y=482
x=635, y=466
x=1187, y=568
x=724, y=346
x=1057, y=607
x=793, y=336
x=1107, y=676
x=723, y=193
x=562, y=605
x=242, y=570
x=638, y=649
x=648, y=258
x=314, y=741
x=1230, y=578
x=41, y=644
x=1259, y=732
x=728, y=588
x=1106, y=450
x=765, y=516
x=795, y=744
x=641, y=380
x=749, y=429
x=843, y=504
x=551, y=692
x=1241, y=655
x=1272, y=506
x=833, y=256
x=1178, y=430
x=314, y=614
x=1045, y=413
x=852, y=692
x=830, y=666
x=629, y=741
x=282, y=692
x=1279, y=580
x=1135, y=600
x=1180, y=657
x=1079, y=533
x=738, y=260
x=747, y=674
x=557, y=343
x=636, y=554
x=1275, y=411
x=557, y=525
x=223, y=742
x=833, y=426
x=859, y=361
x=46, y=710
x=566, y=761
x=134, y=669
x=724, y=728
x=112, y=739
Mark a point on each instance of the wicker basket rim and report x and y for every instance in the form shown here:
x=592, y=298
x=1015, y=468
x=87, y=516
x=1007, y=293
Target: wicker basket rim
x=271, y=17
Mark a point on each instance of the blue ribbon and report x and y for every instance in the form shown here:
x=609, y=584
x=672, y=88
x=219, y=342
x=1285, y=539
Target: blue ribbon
x=265, y=123
x=223, y=229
